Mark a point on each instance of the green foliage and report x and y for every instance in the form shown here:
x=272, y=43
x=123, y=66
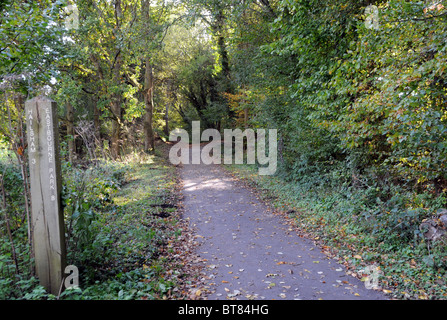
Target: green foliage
x=360, y=112
x=393, y=78
x=361, y=116
x=338, y=91
x=28, y=289
x=31, y=37
x=121, y=259
x=13, y=185
x=199, y=86
x=87, y=193
x=119, y=216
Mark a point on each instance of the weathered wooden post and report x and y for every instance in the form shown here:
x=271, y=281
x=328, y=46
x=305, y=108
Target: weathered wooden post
x=45, y=183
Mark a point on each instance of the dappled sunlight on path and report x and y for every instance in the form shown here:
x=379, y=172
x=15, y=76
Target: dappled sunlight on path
x=251, y=253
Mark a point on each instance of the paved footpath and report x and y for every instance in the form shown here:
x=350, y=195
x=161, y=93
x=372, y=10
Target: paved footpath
x=253, y=254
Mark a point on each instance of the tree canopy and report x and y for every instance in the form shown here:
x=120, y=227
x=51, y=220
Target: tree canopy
x=359, y=82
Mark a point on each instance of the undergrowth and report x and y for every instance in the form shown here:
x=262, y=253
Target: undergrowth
x=121, y=222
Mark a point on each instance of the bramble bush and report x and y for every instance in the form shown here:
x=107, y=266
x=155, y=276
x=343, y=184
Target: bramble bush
x=87, y=192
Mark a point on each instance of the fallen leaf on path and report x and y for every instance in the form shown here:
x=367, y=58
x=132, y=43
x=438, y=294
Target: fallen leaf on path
x=285, y=262
x=235, y=293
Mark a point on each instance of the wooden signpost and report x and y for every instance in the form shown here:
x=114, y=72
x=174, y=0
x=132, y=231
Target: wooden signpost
x=45, y=185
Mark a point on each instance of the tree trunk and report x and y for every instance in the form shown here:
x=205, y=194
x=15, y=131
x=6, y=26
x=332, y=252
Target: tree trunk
x=149, y=141
x=116, y=98
x=223, y=52
x=116, y=110
x=219, y=30
x=70, y=132
x=8, y=228
x=97, y=126
x=116, y=128
x=19, y=132
x=167, y=120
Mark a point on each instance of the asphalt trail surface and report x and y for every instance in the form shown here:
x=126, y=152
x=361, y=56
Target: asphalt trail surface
x=251, y=253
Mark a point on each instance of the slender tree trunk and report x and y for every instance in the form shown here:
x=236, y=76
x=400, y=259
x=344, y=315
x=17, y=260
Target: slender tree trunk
x=97, y=126
x=149, y=142
x=8, y=227
x=116, y=128
x=219, y=30
x=224, y=55
x=167, y=120
x=18, y=147
x=70, y=132
x=148, y=87
x=116, y=99
x=117, y=111
x=171, y=88
x=96, y=121
x=96, y=110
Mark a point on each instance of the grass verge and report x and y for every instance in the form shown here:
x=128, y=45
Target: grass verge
x=147, y=247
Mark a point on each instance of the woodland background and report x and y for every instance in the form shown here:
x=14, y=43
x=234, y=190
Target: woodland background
x=360, y=112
